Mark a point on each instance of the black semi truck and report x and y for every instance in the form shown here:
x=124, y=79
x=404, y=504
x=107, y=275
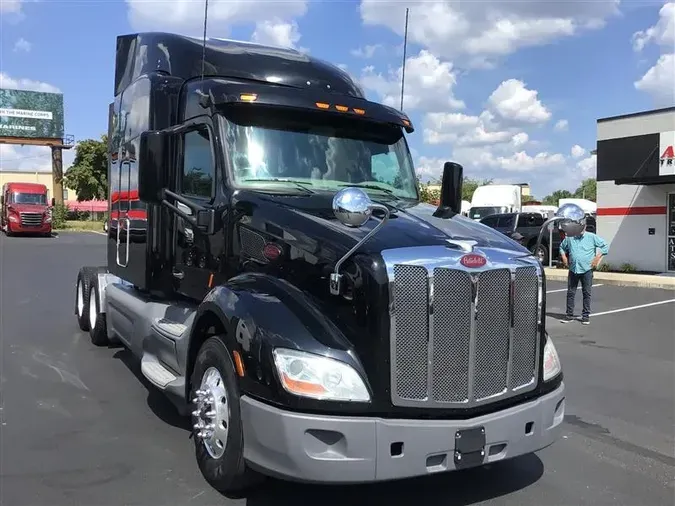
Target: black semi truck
x=273, y=269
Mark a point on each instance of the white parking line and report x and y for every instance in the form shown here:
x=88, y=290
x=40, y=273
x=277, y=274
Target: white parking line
x=634, y=307
x=565, y=289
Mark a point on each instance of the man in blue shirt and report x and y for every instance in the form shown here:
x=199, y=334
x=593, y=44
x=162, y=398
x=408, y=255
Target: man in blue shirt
x=581, y=255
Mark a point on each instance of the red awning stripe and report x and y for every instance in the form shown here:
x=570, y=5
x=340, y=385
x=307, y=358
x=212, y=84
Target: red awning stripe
x=631, y=211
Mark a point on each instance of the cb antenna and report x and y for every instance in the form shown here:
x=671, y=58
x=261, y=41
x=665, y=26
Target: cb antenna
x=405, y=46
x=206, y=17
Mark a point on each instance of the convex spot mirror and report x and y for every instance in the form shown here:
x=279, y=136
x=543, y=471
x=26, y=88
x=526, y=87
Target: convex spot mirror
x=151, y=166
x=572, y=219
x=352, y=207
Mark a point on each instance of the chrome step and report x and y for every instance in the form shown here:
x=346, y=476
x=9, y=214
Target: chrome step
x=155, y=372
x=169, y=327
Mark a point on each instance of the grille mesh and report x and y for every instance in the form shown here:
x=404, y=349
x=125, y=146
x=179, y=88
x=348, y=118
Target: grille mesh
x=524, y=326
x=452, y=328
x=412, y=331
x=492, y=333
x=31, y=219
x=448, y=351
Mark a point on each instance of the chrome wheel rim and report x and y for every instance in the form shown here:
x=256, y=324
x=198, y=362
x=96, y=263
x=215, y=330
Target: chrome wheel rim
x=80, y=299
x=93, y=310
x=211, y=418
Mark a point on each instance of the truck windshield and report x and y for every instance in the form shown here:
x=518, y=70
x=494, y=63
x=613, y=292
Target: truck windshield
x=317, y=152
x=29, y=198
x=478, y=213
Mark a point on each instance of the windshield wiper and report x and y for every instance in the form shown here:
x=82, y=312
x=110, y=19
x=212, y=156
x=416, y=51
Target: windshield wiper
x=298, y=184
x=369, y=186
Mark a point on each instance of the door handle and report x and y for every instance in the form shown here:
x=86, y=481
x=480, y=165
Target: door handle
x=178, y=274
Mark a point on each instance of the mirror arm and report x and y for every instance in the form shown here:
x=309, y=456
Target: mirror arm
x=183, y=200
x=336, y=277
x=190, y=219
x=196, y=208
x=543, y=228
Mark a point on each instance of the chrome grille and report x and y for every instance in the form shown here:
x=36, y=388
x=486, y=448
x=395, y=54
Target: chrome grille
x=31, y=219
x=461, y=338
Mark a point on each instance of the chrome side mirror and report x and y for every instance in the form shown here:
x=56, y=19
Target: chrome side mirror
x=353, y=208
x=572, y=220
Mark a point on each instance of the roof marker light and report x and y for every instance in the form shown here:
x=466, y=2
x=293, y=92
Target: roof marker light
x=322, y=105
x=248, y=97
x=359, y=111
x=342, y=108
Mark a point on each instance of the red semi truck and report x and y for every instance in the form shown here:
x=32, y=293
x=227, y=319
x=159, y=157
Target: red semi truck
x=24, y=209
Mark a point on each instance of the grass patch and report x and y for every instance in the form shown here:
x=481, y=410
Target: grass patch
x=83, y=226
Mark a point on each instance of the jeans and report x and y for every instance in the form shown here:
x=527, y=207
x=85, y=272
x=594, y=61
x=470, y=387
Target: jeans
x=586, y=282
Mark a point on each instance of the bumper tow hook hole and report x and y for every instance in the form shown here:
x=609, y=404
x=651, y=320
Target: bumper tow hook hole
x=529, y=426
x=396, y=449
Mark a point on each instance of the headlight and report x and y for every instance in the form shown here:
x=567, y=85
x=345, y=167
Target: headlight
x=552, y=365
x=309, y=375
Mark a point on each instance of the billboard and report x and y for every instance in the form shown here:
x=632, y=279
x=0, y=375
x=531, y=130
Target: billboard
x=31, y=114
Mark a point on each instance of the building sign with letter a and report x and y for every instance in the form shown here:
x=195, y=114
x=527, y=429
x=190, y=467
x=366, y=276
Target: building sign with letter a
x=667, y=154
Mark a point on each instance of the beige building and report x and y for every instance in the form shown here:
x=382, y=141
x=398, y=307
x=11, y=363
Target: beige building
x=45, y=178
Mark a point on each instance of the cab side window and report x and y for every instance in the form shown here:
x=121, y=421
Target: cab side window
x=490, y=221
x=198, y=165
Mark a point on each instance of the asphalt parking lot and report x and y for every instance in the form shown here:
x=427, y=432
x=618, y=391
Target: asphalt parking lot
x=79, y=426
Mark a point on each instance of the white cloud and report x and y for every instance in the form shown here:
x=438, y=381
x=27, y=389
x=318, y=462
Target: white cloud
x=31, y=158
x=480, y=30
x=577, y=151
x=561, y=125
x=186, y=16
x=8, y=82
x=587, y=167
x=10, y=6
x=513, y=101
x=659, y=81
x=367, y=51
x=429, y=84
x=662, y=33
x=22, y=45
x=277, y=33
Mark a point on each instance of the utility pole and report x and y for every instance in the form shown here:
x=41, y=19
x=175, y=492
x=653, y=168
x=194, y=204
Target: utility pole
x=405, y=46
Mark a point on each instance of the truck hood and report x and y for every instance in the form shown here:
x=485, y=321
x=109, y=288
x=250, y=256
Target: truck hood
x=28, y=208
x=307, y=222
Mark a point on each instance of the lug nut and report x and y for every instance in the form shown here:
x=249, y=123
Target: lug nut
x=211, y=414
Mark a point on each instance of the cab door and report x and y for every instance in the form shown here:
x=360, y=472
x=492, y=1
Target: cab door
x=194, y=202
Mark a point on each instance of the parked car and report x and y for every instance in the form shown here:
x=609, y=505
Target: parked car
x=528, y=225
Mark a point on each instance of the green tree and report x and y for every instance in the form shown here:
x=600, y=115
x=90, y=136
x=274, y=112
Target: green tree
x=553, y=198
x=88, y=175
x=587, y=189
x=527, y=198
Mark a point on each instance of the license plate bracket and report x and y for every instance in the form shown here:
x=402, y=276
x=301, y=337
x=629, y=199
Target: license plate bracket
x=469, y=447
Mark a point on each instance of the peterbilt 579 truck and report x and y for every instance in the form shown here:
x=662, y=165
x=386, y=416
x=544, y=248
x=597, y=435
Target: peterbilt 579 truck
x=273, y=269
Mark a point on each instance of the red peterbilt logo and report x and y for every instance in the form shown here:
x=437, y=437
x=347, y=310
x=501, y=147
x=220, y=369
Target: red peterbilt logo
x=473, y=260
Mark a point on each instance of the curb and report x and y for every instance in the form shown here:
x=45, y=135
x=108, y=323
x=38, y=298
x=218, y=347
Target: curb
x=619, y=279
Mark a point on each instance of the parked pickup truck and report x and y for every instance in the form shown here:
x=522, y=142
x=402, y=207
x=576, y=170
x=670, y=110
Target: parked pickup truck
x=528, y=226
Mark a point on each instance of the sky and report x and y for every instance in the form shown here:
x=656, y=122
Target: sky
x=511, y=90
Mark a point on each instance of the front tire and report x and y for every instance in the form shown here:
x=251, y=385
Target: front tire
x=541, y=254
x=217, y=427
